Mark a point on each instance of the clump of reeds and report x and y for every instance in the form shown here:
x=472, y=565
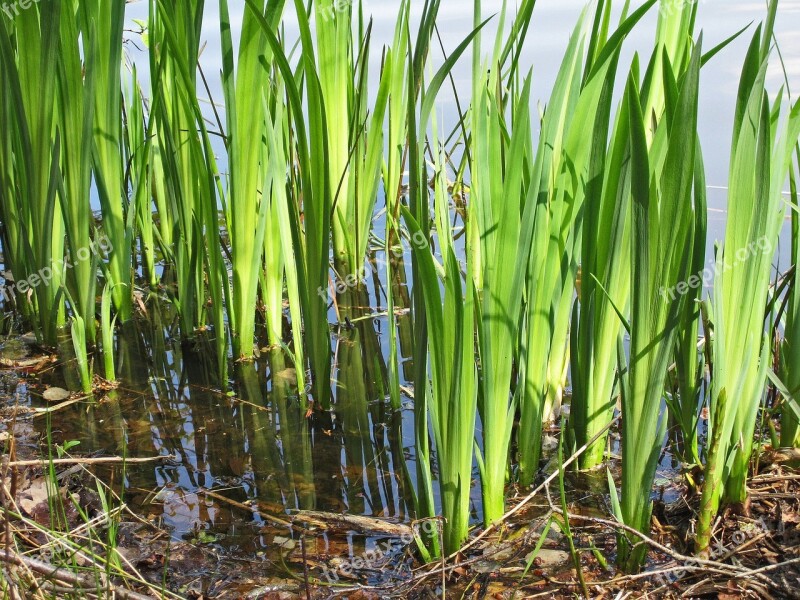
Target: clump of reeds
x=243, y=220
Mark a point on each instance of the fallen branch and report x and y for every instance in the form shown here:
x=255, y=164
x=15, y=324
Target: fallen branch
x=107, y=460
x=779, y=456
x=757, y=572
x=42, y=412
x=770, y=478
x=63, y=575
x=250, y=509
x=361, y=524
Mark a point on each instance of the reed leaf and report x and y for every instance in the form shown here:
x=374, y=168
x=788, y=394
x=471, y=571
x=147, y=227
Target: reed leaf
x=760, y=160
x=78, y=332
x=395, y=71
x=552, y=259
x=175, y=35
x=435, y=396
x=107, y=328
x=663, y=224
x=453, y=392
x=498, y=199
x=606, y=251
x=789, y=351
x=75, y=117
x=101, y=25
x=311, y=236
x=244, y=90
x=36, y=250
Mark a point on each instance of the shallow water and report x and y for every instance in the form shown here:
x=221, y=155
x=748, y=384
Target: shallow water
x=255, y=445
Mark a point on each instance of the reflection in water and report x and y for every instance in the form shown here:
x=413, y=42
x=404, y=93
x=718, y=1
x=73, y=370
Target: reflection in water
x=360, y=409
x=256, y=451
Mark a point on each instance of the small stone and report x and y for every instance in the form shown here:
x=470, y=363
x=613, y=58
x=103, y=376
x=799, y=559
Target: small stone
x=550, y=558
x=55, y=394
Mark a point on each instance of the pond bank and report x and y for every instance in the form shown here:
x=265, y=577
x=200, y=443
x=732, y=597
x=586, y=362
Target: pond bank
x=245, y=547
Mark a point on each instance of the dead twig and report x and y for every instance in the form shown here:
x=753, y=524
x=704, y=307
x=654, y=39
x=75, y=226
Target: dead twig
x=63, y=575
x=768, y=568
x=107, y=460
x=251, y=509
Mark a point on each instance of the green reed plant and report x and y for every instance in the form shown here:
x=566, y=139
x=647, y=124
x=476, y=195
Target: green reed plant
x=395, y=70
x=218, y=281
x=497, y=199
x=11, y=239
x=311, y=232
x=78, y=334
x=107, y=323
x=559, y=193
x=500, y=229
x=662, y=225
x=605, y=254
x=185, y=166
x=789, y=353
x=245, y=88
x=203, y=288
x=101, y=24
x=424, y=500
x=337, y=66
x=211, y=267
x=444, y=322
x=279, y=252
x=75, y=118
x=355, y=129
x=29, y=46
x=760, y=160
x=685, y=399
x=139, y=156
x=274, y=195
x=558, y=361
x=453, y=389
x=161, y=234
